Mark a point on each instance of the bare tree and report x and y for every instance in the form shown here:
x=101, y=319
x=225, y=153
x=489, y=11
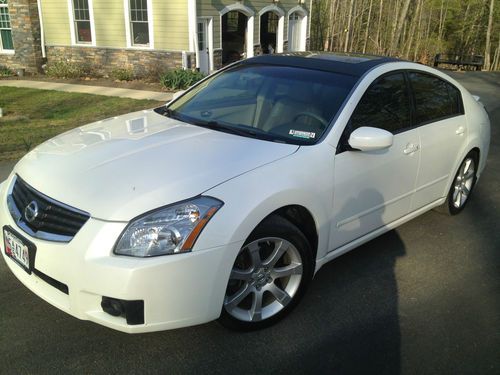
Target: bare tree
x=415, y=21
x=414, y=29
x=349, y=23
x=496, y=58
x=399, y=27
x=377, y=40
x=367, y=26
x=488, y=37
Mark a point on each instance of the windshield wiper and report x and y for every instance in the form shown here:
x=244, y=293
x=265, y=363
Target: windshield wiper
x=243, y=130
x=167, y=112
x=237, y=129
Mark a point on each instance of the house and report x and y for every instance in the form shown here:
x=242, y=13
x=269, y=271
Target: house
x=148, y=35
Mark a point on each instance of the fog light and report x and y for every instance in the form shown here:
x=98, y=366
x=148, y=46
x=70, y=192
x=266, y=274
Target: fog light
x=133, y=311
x=112, y=306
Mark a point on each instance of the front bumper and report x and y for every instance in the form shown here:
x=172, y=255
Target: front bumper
x=178, y=290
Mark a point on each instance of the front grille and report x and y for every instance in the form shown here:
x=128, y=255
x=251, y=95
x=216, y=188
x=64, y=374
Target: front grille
x=53, y=221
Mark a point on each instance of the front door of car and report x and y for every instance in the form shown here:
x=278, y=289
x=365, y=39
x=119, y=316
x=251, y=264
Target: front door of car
x=375, y=188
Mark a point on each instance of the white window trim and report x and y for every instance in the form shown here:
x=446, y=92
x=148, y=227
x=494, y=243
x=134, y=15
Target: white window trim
x=250, y=22
x=210, y=40
x=71, y=13
x=192, y=28
x=6, y=51
x=303, y=26
x=281, y=24
x=128, y=31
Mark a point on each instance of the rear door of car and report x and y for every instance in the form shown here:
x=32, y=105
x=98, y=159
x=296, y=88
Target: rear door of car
x=375, y=188
x=438, y=113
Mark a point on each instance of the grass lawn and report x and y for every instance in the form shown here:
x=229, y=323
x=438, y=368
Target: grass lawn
x=32, y=116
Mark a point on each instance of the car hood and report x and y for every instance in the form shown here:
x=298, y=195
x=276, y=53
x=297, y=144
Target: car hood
x=121, y=167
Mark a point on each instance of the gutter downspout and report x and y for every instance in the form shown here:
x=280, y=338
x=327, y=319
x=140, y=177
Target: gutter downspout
x=42, y=34
x=193, y=34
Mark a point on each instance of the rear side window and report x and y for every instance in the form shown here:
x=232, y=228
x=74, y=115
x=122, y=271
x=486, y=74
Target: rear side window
x=434, y=98
x=385, y=105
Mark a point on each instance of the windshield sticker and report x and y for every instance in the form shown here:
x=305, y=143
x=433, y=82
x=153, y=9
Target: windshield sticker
x=302, y=134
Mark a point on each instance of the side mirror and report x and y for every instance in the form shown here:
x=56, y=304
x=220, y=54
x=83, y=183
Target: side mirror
x=370, y=139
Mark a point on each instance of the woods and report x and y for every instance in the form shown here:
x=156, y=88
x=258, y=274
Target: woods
x=411, y=29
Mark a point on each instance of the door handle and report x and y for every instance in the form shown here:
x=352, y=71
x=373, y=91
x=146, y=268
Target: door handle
x=460, y=130
x=411, y=148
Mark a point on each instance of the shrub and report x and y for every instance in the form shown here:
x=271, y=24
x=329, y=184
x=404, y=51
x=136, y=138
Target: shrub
x=62, y=69
x=154, y=73
x=5, y=72
x=180, y=79
x=122, y=74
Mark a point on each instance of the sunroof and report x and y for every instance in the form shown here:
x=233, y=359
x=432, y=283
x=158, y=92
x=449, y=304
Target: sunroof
x=354, y=64
x=352, y=58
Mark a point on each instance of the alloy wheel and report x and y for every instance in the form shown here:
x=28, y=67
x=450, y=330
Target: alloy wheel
x=265, y=278
x=464, y=182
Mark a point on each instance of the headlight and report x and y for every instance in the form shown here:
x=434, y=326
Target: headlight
x=168, y=230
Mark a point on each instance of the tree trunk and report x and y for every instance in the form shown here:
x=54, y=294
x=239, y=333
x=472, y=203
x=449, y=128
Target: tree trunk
x=394, y=25
x=471, y=30
x=377, y=38
x=442, y=19
x=488, y=38
x=327, y=41
x=349, y=23
x=399, y=27
x=367, y=26
x=466, y=17
x=419, y=32
x=496, y=59
x=414, y=22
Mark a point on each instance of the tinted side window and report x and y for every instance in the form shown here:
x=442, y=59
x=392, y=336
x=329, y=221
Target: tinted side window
x=434, y=98
x=384, y=105
x=456, y=100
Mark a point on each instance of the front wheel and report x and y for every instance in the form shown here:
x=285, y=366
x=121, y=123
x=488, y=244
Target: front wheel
x=269, y=276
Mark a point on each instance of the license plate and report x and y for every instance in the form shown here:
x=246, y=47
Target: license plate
x=19, y=249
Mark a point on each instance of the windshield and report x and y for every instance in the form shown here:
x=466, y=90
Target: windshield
x=277, y=103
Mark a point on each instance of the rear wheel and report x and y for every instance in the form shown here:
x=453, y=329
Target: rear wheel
x=462, y=186
x=269, y=276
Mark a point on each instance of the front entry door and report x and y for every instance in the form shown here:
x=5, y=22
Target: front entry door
x=203, y=51
x=294, y=31
x=375, y=188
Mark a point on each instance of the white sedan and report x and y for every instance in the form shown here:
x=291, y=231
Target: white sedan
x=225, y=202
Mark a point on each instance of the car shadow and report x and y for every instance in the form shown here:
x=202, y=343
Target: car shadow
x=353, y=304
x=351, y=310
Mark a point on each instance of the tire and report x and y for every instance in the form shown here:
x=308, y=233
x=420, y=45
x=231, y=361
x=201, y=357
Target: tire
x=270, y=275
x=462, y=186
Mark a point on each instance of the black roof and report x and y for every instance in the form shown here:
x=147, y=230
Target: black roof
x=345, y=63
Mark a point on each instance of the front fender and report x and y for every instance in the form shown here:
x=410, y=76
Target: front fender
x=304, y=178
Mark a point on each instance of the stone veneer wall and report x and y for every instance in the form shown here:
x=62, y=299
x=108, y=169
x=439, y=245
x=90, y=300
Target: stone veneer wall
x=217, y=59
x=102, y=61
x=25, y=36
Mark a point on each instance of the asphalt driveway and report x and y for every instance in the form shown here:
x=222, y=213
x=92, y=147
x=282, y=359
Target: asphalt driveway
x=422, y=299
